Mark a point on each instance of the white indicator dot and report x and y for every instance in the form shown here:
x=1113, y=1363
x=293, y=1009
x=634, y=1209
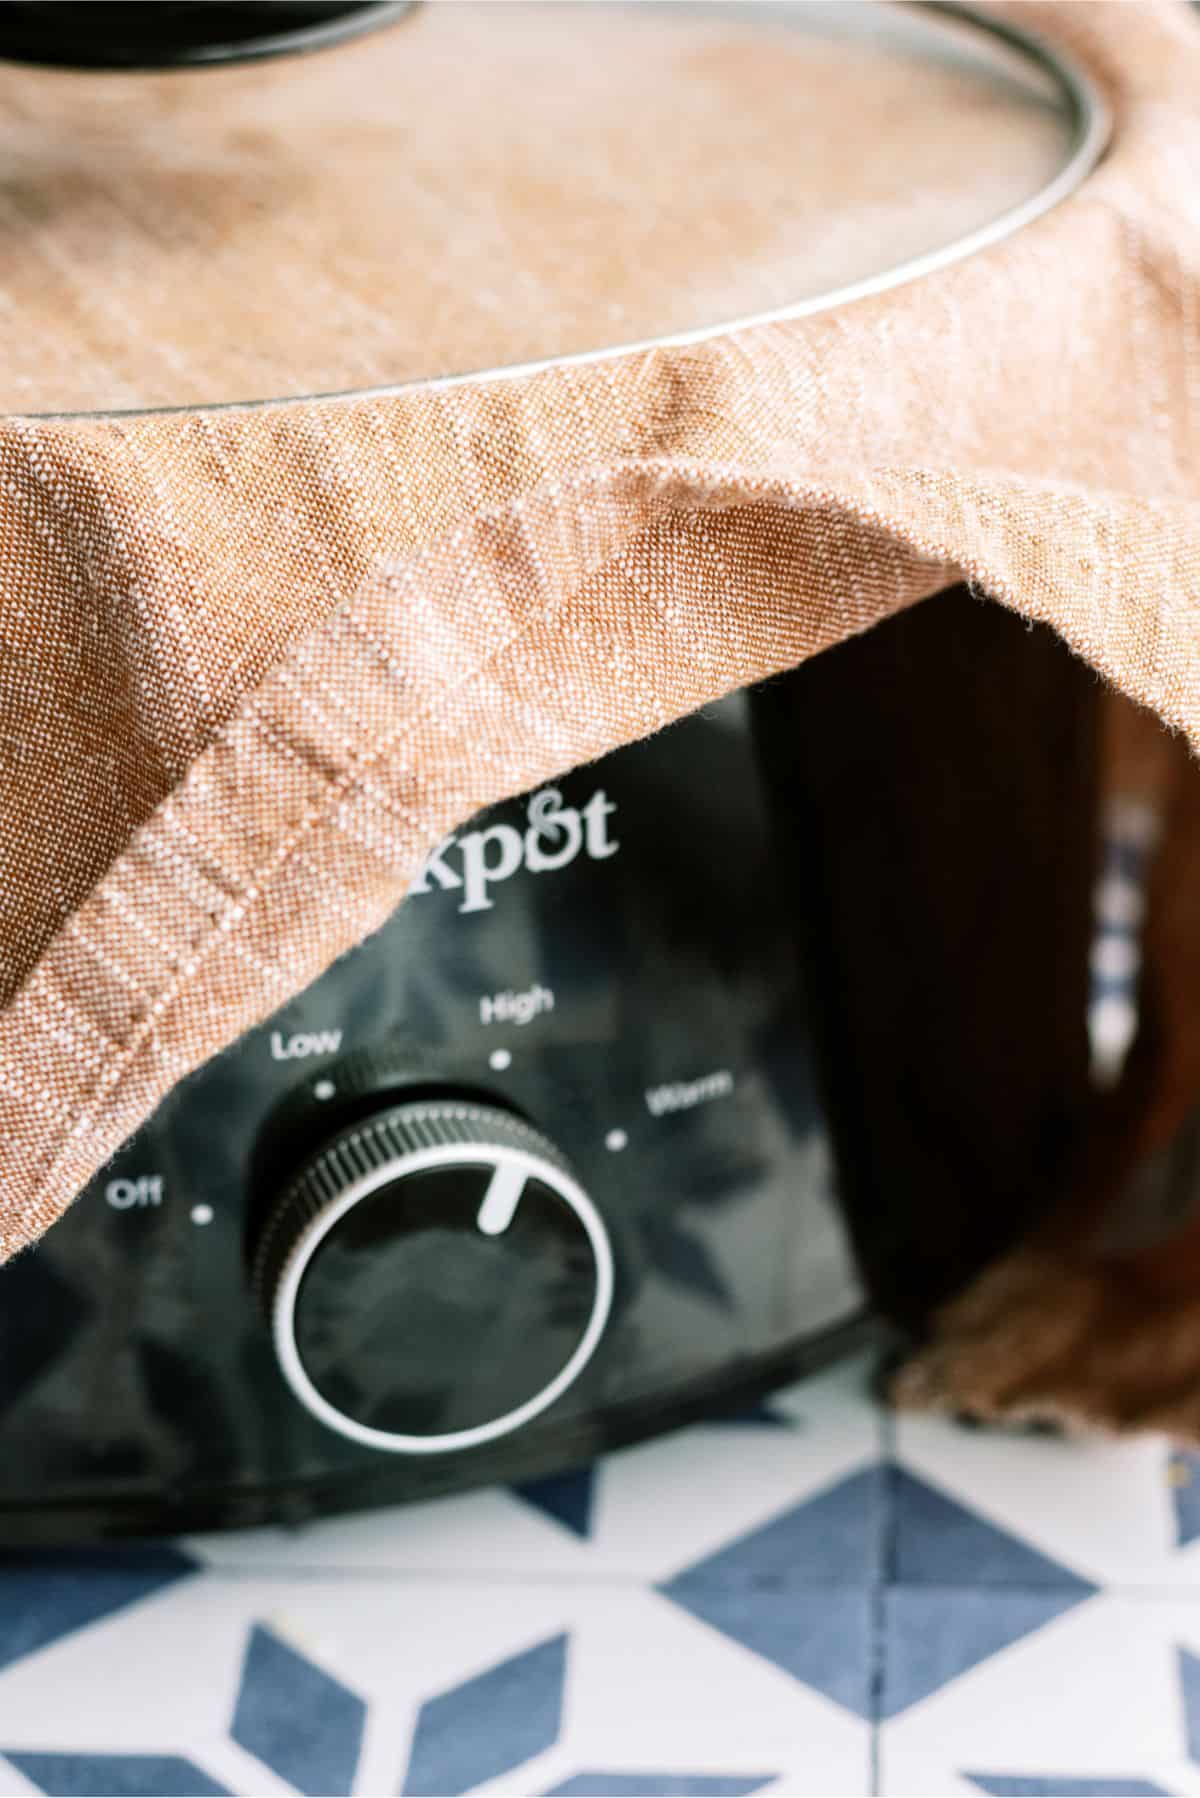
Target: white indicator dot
x=324, y=1089
x=499, y=1059
x=202, y=1214
x=615, y=1140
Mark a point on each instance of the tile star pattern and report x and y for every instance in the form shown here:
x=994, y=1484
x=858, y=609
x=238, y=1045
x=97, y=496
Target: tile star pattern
x=297, y=1719
x=808, y=1598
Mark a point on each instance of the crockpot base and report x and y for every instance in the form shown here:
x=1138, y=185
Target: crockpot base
x=167, y=1511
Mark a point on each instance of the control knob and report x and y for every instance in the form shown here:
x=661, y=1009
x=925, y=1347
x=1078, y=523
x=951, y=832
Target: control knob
x=434, y=1276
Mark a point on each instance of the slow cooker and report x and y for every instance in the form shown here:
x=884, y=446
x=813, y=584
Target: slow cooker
x=660, y=1081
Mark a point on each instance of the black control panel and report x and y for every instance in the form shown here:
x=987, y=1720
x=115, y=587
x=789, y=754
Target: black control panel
x=539, y=1167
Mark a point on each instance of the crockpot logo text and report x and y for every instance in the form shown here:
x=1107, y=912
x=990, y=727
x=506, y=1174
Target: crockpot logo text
x=555, y=834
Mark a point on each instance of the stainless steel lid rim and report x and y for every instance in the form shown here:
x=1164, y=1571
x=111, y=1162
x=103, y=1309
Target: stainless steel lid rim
x=1091, y=129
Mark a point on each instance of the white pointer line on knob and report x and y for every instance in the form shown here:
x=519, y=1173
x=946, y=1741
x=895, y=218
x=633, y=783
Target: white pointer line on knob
x=500, y=1201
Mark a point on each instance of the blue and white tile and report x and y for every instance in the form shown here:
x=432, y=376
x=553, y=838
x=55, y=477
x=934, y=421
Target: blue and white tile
x=667, y=1505
x=1073, y=1781
x=1124, y=1513
x=650, y=1691
x=240, y=1675
x=1096, y=1698
x=46, y=1597
x=338, y=1685
x=493, y=1531
x=772, y=1604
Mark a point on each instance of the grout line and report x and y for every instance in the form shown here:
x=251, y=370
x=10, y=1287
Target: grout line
x=641, y=1580
x=886, y=1552
x=644, y=1579
x=634, y=1579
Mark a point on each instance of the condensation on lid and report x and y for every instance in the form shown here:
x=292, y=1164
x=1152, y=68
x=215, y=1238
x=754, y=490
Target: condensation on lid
x=482, y=185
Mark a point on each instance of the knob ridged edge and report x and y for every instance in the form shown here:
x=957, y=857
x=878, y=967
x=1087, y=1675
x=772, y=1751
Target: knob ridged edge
x=369, y=1147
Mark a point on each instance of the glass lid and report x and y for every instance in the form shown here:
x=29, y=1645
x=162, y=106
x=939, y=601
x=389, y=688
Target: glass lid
x=478, y=187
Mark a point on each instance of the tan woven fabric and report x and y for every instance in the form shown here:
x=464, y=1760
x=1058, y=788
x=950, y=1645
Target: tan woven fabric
x=256, y=662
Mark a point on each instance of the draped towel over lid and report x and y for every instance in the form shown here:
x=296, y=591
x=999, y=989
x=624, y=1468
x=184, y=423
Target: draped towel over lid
x=255, y=661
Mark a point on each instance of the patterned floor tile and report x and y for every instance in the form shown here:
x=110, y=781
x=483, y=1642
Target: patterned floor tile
x=652, y=1688
x=1115, y=1512
x=1183, y=1479
x=670, y=1504
x=486, y=1710
x=296, y=1718
x=727, y=1610
x=476, y=1532
x=1098, y=1693
x=659, y=1785
x=935, y=1540
x=46, y=1596
x=948, y=1782
x=331, y=1684
x=935, y=1635
x=821, y=1637
x=115, y=1776
x=488, y=1725
x=566, y=1497
x=834, y=1536
x=1034, y=1785
x=1188, y=1665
